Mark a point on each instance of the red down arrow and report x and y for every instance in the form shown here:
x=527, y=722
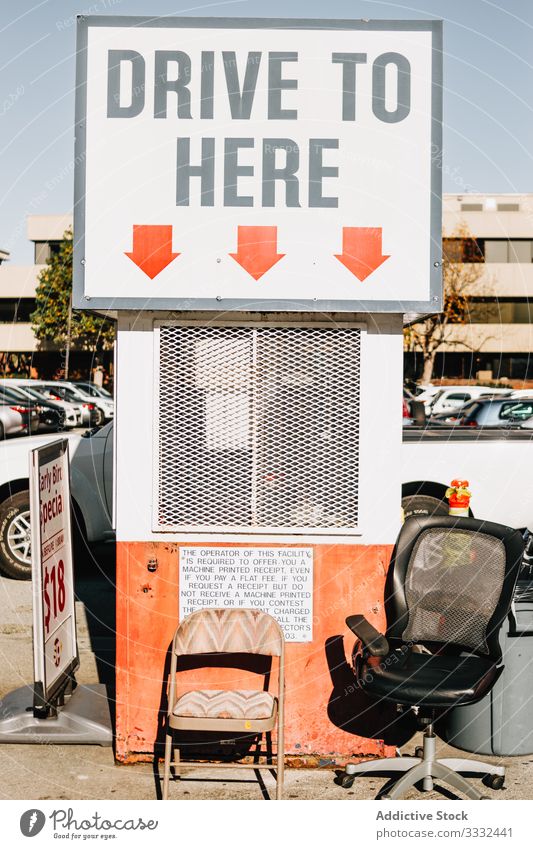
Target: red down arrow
x=361, y=250
x=257, y=249
x=152, y=248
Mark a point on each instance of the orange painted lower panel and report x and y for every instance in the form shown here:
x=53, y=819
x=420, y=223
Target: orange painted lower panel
x=325, y=716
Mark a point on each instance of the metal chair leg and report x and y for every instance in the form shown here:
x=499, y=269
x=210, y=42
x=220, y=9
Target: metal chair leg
x=168, y=752
x=280, y=763
x=455, y=780
x=409, y=779
x=382, y=765
x=466, y=765
x=177, y=759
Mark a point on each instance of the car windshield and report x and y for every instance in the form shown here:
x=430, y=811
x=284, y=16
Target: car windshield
x=34, y=393
x=86, y=388
x=520, y=411
x=63, y=392
x=94, y=391
x=14, y=393
x=436, y=397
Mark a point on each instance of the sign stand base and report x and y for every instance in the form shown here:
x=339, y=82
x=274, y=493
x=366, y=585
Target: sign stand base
x=83, y=720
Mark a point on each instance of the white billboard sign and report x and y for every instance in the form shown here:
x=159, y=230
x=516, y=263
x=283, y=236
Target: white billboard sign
x=276, y=580
x=258, y=164
x=54, y=625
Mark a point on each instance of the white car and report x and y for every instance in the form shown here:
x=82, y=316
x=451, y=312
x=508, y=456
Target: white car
x=73, y=412
x=453, y=397
x=56, y=390
x=68, y=390
x=11, y=423
x=91, y=459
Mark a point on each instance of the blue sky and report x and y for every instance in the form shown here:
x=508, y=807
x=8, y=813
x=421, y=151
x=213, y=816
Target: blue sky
x=488, y=85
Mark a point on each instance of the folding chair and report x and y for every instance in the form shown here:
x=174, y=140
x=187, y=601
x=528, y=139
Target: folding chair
x=230, y=631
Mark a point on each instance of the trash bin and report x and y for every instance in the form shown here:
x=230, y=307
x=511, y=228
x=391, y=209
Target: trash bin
x=502, y=722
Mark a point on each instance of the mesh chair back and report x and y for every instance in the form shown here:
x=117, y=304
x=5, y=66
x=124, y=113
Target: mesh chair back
x=453, y=585
x=234, y=631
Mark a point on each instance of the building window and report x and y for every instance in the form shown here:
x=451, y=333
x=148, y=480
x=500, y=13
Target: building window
x=488, y=250
x=508, y=207
x=500, y=311
x=45, y=250
x=471, y=207
x=463, y=250
x=13, y=311
x=509, y=250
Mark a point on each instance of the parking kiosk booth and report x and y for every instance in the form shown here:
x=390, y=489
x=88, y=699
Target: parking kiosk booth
x=259, y=200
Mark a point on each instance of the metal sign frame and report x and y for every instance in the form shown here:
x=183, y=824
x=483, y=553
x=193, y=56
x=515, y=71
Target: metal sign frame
x=45, y=693
x=434, y=304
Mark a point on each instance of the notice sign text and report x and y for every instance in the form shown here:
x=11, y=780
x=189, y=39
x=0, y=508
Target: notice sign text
x=276, y=580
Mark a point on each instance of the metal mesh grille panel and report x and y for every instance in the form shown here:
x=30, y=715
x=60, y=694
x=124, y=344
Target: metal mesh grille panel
x=258, y=427
x=454, y=581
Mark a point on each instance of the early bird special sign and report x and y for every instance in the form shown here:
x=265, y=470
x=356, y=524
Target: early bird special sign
x=55, y=652
x=227, y=164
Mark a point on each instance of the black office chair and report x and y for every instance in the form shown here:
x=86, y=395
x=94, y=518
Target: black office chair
x=449, y=589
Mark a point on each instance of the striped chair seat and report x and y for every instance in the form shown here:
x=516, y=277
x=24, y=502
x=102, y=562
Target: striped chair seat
x=225, y=704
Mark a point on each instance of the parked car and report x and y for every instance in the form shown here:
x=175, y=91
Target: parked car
x=427, y=396
x=11, y=423
x=91, y=458
x=488, y=412
x=92, y=414
x=453, y=397
x=72, y=410
x=522, y=393
x=53, y=416
x=92, y=389
x=28, y=411
x=101, y=397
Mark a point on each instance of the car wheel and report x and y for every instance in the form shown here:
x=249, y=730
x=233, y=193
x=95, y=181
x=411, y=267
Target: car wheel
x=423, y=505
x=15, y=540
x=99, y=417
x=2, y=431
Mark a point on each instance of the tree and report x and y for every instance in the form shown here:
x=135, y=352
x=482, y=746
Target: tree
x=54, y=321
x=462, y=268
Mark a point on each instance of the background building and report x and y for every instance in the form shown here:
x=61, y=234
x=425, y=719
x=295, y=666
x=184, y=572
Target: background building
x=20, y=351
x=495, y=231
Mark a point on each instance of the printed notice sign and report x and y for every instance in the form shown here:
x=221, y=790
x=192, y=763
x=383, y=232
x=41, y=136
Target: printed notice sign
x=276, y=580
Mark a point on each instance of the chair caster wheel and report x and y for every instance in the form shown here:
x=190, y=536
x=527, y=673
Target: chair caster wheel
x=346, y=780
x=495, y=782
x=419, y=752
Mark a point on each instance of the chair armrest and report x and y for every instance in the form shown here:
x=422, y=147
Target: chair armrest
x=374, y=642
